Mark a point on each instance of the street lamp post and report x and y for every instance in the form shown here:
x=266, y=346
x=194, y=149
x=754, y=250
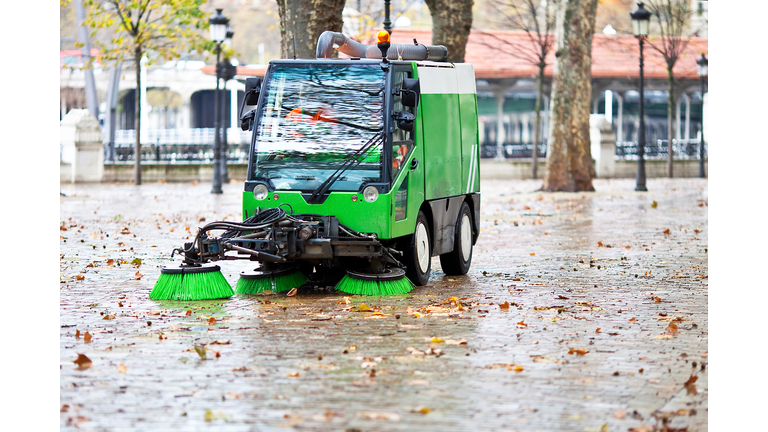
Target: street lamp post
x=218, y=28
x=701, y=69
x=224, y=73
x=387, y=22
x=640, y=20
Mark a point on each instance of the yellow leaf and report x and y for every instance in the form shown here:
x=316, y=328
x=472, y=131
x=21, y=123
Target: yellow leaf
x=437, y=340
x=363, y=308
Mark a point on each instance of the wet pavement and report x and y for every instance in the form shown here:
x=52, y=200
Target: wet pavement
x=583, y=312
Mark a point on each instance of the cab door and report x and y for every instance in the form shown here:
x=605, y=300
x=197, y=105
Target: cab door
x=406, y=158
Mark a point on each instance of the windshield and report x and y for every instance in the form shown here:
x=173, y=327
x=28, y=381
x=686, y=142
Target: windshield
x=316, y=118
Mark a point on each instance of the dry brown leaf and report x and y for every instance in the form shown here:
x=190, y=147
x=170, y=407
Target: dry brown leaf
x=577, y=351
x=211, y=320
x=77, y=334
x=666, y=231
x=292, y=292
x=632, y=319
x=87, y=337
x=656, y=299
x=671, y=329
x=83, y=362
x=504, y=306
x=138, y=276
x=108, y=317
x=690, y=385
x=79, y=277
x=122, y=368
x=522, y=324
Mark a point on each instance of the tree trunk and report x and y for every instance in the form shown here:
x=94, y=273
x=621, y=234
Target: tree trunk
x=302, y=22
x=537, y=133
x=671, y=115
x=451, y=22
x=137, y=145
x=569, y=161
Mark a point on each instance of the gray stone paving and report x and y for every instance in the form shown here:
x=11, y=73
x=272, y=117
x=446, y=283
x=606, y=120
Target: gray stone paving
x=594, y=281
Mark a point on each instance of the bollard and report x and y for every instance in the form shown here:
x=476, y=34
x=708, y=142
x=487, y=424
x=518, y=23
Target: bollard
x=81, y=146
x=603, y=146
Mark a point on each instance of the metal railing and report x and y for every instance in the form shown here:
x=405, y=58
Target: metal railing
x=681, y=149
x=512, y=150
x=177, y=145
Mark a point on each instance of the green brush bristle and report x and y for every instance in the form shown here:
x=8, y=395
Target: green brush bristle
x=166, y=286
x=194, y=284
x=351, y=285
x=275, y=284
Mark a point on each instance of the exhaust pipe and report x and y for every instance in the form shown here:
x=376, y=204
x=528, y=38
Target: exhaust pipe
x=328, y=39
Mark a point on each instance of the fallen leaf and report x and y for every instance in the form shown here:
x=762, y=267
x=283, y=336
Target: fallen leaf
x=656, y=299
x=372, y=415
x=266, y=293
x=562, y=297
x=654, y=204
x=598, y=330
x=211, y=321
x=188, y=313
x=220, y=342
x=437, y=340
x=108, y=317
x=110, y=262
x=522, y=324
x=671, y=329
x=364, y=308
x=292, y=292
x=504, y=306
x=632, y=319
x=666, y=231
x=83, y=362
x=422, y=410
x=620, y=414
x=79, y=277
x=77, y=334
x=577, y=351
x=690, y=385
x=122, y=368
x=294, y=374
x=87, y=337
x=138, y=276
x=533, y=253
x=200, y=350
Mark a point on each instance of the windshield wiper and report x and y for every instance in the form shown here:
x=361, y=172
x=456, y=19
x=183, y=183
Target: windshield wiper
x=351, y=160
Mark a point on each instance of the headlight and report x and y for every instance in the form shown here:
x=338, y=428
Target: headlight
x=260, y=191
x=370, y=193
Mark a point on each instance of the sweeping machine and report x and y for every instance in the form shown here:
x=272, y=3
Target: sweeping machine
x=360, y=171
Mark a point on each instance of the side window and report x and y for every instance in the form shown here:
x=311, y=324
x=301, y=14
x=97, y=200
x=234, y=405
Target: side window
x=402, y=141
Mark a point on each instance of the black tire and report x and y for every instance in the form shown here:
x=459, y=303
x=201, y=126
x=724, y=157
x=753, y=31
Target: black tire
x=419, y=246
x=457, y=262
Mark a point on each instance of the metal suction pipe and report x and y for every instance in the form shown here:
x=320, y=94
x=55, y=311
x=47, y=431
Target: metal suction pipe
x=352, y=48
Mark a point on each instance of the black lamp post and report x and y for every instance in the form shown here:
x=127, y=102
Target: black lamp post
x=701, y=69
x=218, y=28
x=225, y=74
x=640, y=20
x=387, y=23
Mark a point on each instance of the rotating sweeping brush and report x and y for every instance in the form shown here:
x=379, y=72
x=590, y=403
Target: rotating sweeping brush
x=277, y=280
x=391, y=282
x=191, y=283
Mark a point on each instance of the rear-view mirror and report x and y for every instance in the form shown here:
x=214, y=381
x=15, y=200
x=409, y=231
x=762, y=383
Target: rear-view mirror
x=252, y=89
x=410, y=92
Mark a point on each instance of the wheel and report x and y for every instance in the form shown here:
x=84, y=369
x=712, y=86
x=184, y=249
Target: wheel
x=457, y=262
x=418, y=253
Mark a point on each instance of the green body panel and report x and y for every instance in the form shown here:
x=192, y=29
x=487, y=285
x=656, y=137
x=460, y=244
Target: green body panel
x=470, y=154
x=441, y=123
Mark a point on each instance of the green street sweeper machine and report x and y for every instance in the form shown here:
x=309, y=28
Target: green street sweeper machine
x=360, y=171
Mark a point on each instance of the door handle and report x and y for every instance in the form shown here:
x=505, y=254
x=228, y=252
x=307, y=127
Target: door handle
x=414, y=163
